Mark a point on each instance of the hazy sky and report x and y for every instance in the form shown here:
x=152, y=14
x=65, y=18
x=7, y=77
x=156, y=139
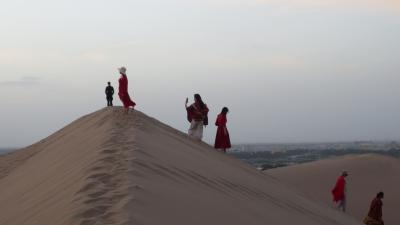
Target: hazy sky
x=290, y=71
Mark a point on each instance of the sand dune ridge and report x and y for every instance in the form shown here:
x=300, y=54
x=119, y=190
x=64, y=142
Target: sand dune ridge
x=112, y=168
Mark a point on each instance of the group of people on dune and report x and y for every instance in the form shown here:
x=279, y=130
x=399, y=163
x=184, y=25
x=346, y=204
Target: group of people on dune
x=197, y=113
x=339, y=193
x=122, y=91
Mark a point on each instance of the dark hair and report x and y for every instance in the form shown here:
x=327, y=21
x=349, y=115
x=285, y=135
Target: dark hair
x=197, y=98
x=108, y=82
x=225, y=110
x=380, y=195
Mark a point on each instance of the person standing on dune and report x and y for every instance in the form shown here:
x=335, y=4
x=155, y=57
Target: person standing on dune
x=222, y=140
x=197, y=116
x=339, y=192
x=109, y=94
x=123, y=90
x=375, y=211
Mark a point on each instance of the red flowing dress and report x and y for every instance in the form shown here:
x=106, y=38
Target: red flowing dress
x=375, y=211
x=338, y=190
x=222, y=140
x=123, y=92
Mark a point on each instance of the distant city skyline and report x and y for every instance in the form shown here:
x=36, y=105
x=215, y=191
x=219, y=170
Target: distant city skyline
x=290, y=71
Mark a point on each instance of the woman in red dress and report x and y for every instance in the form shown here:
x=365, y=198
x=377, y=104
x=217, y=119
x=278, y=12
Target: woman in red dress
x=123, y=90
x=375, y=211
x=222, y=140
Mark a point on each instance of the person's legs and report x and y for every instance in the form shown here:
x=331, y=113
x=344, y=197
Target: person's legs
x=338, y=205
x=196, y=130
x=200, y=130
x=342, y=205
x=109, y=99
x=192, y=128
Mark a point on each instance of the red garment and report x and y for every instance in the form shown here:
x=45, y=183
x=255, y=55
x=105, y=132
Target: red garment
x=375, y=211
x=339, y=189
x=222, y=140
x=194, y=112
x=123, y=92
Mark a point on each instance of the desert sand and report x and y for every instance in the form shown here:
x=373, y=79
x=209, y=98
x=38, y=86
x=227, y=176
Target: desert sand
x=112, y=168
x=368, y=174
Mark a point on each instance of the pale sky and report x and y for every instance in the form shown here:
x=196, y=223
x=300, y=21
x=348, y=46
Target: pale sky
x=290, y=71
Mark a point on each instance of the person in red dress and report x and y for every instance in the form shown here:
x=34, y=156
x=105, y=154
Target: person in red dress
x=339, y=192
x=222, y=140
x=375, y=211
x=123, y=90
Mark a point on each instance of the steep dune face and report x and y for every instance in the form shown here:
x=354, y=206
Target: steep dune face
x=369, y=174
x=112, y=168
x=46, y=183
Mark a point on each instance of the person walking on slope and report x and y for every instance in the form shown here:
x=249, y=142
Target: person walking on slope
x=109, y=94
x=374, y=216
x=222, y=140
x=339, y=192
x=197, y=116
x=123, y=90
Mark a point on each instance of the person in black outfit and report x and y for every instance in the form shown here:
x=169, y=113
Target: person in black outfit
x=109, y=94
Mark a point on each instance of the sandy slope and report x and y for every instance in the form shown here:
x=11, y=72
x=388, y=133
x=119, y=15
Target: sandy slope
x=369, y=174
x=111, y=168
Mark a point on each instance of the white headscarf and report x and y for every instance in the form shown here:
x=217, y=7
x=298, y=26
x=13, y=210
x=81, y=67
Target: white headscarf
x=122, y=70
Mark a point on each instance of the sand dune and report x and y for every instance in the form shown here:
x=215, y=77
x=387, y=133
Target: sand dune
x=112, y=168
x=368, y=175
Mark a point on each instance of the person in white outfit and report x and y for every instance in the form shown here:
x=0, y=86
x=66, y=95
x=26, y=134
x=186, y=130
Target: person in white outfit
x=197, y=116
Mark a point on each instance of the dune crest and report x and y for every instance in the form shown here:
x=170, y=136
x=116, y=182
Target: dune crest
x=112, y=168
